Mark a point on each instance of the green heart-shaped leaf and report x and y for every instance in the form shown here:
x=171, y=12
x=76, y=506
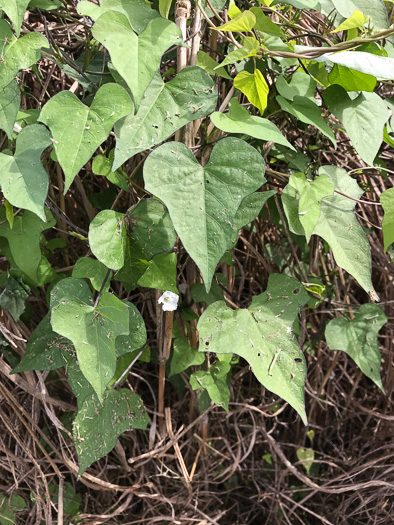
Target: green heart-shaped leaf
x=337, y=225
x=136, y=58
x=18, y=53
x=98, y=425
x=15, y=10
x=24, y=238
x=78, y=130
x=363, y=118
x=150, y=232
x=23, y=179
x=203, y=201
x=358, y=338
x=311, y=193
x=239, y=120
x=138, y=12
x=165, y=108
x=108, y=238
x=262, y=334
x=93, y=331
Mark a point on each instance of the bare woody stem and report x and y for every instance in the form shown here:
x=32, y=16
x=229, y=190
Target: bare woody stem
x=164, y=354
x=182, y=14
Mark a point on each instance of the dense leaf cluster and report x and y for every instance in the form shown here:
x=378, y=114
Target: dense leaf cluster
x=192, y=150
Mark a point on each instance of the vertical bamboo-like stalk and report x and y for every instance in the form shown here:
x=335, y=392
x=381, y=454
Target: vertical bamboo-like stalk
x=182, y=14
x=62, y=206
x=164, y=355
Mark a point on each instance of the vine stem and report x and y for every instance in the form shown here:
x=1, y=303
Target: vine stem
x=372, y=203
x=164, y=355
x=102, y=288
x=125, y=373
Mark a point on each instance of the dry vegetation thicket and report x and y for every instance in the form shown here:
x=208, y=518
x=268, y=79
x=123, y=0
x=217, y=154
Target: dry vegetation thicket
x=243, y=467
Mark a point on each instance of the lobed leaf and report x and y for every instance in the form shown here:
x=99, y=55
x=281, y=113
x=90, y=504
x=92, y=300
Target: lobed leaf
x=151, y=232
x=311, y=194
x=338, y=226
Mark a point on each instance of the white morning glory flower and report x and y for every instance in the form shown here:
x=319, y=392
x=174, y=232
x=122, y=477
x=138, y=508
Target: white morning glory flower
x=169, y=300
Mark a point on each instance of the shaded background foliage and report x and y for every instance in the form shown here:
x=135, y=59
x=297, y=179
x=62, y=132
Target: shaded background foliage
x=254, y=464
